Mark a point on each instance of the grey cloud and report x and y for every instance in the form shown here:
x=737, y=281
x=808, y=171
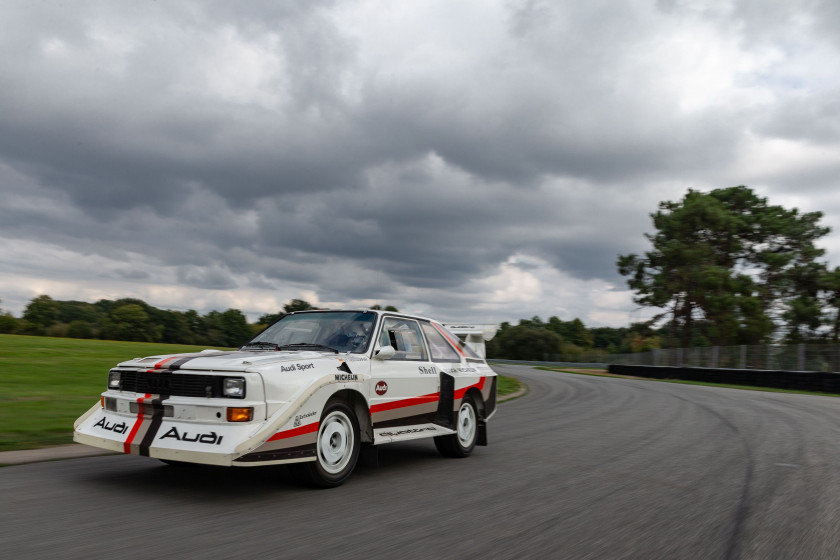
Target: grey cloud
x=268, y=145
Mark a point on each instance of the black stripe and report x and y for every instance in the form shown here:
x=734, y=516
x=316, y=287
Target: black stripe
x=178, y=363
x=428, y=418
x=154, y=427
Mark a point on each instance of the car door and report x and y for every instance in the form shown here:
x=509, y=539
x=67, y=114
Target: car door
x=404, y=389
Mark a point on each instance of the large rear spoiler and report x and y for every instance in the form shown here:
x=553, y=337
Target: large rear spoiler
x=474, y=336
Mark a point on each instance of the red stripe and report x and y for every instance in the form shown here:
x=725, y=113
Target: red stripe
x=459, y=394
x=141, y=411
x=424, y=399
x=308, y=429
x=447, y=337
x=159, y=365
x=413, y=401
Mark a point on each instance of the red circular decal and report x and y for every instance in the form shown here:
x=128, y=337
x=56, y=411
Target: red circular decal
x=381, y=388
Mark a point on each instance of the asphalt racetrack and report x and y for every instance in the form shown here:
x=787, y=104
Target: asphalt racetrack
x=581, y=467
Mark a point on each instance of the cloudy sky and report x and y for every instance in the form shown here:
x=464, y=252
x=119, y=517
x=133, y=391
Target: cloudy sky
x=481, y=160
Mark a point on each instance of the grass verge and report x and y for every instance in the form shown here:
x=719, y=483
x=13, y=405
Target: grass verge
x=507, y=385
x=605, y=373
x=46, y=383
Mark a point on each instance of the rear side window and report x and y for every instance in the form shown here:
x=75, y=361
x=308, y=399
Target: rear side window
x=439, y=349
x=404, y=335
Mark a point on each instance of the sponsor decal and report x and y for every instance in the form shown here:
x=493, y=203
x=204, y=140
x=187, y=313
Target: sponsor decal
x=303, y=416
x=346, y=377
x=427, y=370
x=297, y=367
x=357, y=358
x=463, y=370
x=210, y=439
x=408, y=431
x=381, y=388
x=120, y=428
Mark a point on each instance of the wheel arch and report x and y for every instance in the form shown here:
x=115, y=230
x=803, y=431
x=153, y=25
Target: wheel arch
x=477, y=399
x=358, y=403
x=481, y=410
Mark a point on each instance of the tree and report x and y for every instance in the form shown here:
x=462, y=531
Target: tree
x=129, y=322
x=524, y=342
x=42, y=311
x=235, y=329
x=388, y=308
x=297, y=305
x=728, y=260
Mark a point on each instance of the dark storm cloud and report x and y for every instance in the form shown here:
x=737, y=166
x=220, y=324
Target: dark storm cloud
x=359, y=151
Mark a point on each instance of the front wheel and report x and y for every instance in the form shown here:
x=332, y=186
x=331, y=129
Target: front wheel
x=461, y=443
x=337, y=448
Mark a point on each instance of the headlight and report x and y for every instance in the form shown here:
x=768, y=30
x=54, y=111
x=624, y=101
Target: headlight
x=114, y=380
x=233, y=387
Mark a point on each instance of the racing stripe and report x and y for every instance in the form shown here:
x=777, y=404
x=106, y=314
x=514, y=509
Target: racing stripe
x=177, y=364
x=307, y=429
x=163, y=362
x=447, y=337
x=459, y=394
x=141, y=409
x=402, y=403
x=154, y=426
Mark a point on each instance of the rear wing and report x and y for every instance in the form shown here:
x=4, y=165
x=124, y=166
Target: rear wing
x=474, y=336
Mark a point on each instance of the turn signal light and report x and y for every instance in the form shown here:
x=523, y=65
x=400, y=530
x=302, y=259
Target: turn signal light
x=241, y=414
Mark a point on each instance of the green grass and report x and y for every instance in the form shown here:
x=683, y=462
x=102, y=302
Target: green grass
x=507, y=385
x=603, y=373
x=46, y=383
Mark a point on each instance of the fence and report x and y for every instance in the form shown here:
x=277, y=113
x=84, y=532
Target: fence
x=797, y=357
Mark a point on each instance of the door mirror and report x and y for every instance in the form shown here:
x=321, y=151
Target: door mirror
x=385, y=353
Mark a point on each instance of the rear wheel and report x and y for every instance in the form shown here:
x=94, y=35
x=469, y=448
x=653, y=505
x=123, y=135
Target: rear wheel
x=461, y=443
x=337, y=448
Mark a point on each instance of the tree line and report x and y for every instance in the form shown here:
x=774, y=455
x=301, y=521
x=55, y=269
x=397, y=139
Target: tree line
x=135, y=320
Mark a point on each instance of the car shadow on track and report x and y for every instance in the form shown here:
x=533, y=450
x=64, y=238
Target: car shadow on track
x=133, y=476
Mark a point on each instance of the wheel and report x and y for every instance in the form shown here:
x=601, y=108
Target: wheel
x=337, y=448
x=461, y=443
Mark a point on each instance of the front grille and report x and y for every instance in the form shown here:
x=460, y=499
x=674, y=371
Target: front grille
x=173, y=384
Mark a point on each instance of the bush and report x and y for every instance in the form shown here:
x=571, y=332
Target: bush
x=79, y=329
x=8, y=324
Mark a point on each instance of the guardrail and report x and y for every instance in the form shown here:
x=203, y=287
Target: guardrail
x=602, y=365
x=814, y=381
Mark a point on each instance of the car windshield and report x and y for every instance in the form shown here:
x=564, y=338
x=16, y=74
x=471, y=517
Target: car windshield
x=341, y=331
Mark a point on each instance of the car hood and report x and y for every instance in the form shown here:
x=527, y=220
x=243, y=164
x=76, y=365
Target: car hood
x=217, y=360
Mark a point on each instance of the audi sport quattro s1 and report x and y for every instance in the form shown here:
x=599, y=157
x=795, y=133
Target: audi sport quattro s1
x=307, y=391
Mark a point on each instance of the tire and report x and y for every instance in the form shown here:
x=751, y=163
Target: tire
x=461, y=443
x=336, y=449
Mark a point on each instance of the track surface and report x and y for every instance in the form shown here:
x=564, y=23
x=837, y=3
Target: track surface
x=581, y=467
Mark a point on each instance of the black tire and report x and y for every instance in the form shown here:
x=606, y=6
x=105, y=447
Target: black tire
x=461, y=443
x=337, y=448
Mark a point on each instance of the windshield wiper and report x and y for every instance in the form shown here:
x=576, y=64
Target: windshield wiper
x=306, y=346
x=261, y=344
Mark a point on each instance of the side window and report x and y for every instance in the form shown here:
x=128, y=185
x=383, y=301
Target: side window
x=440, y=350
x=404, y=335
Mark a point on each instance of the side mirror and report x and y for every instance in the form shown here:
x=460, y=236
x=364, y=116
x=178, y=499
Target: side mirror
x=385, y=353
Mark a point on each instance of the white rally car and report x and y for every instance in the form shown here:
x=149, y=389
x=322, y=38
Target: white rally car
x=309, y=390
